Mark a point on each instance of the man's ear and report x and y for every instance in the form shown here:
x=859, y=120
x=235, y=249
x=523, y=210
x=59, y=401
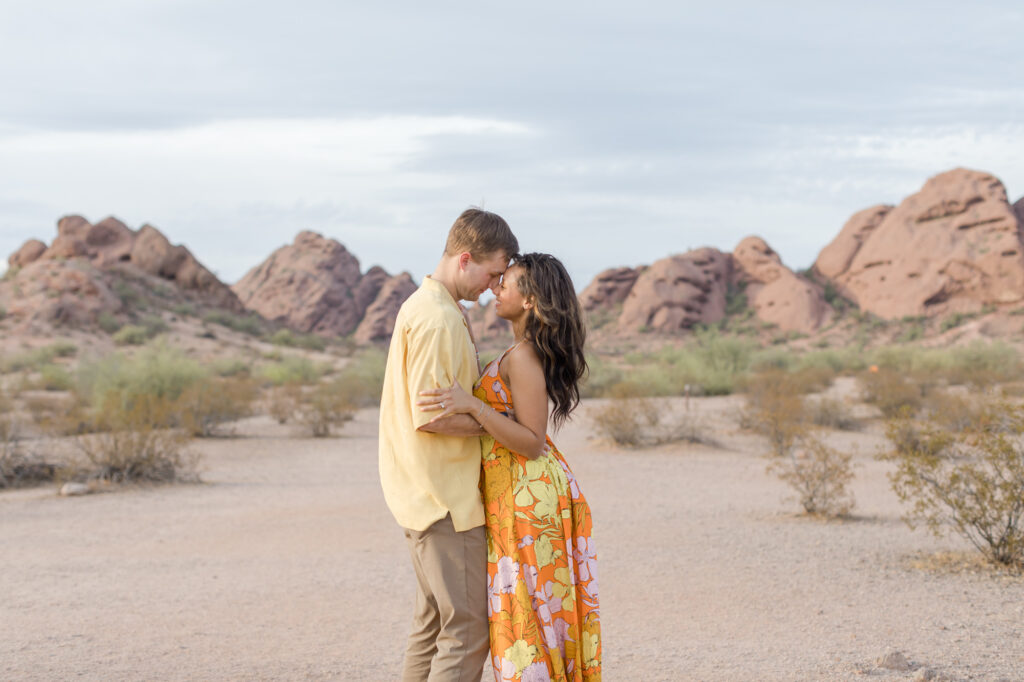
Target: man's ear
x=464, y=259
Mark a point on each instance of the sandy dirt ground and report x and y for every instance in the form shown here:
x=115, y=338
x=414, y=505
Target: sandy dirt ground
x=285, y=564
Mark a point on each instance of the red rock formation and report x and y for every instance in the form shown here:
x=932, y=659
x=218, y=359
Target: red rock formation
x=30, y=251
x=776, y=294
x=379, y=320
x=609, y=288
x=314, y=285
x=835, y=258
x=677, y=292
x=88, y=250
x=67, y=292
x=955, y=246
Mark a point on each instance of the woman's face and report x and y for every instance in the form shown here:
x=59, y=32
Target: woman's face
x=508, y=302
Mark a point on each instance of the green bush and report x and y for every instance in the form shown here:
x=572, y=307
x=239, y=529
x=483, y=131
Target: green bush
x=291, y=369
x=601, y=375
x=230, y=367
x=131, y=335
x=362, y=379
x=286, y=337
x=157, y=370
x=55, y=378
x=108, y=322
x=326, y=406
x=969, y=480
x=251, y=324
x=38, y=357
x=209, y=404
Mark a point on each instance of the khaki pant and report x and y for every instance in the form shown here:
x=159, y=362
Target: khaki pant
x=449, y=640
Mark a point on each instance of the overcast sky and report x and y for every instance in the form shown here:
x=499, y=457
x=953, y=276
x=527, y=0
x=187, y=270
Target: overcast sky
x=606, y=133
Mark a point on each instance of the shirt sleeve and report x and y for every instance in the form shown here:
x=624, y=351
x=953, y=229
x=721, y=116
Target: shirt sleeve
x=429, y=363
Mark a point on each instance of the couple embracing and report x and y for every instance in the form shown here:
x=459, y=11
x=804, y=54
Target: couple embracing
x=497, y=528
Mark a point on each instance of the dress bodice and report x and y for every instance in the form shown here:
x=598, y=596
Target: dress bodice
x=493, y=390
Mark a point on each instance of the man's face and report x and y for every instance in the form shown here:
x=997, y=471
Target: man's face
x=479, y=276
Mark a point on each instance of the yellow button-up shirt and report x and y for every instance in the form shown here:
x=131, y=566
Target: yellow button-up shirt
x=426, y=475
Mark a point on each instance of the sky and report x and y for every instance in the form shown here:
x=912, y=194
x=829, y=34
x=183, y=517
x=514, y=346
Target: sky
x=608, y=134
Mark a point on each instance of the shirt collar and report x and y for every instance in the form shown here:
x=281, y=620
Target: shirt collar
x=432, y=284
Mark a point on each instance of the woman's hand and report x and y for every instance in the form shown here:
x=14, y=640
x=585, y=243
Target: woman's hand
x=451, y=400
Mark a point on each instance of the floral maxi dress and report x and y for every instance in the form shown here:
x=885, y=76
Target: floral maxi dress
x=545, y=623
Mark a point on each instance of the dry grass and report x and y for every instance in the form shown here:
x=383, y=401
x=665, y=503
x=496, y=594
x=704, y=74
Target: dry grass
x=890, y=391
x=636, y=422
x=132, y=447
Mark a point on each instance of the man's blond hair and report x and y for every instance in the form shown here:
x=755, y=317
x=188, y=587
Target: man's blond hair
x=482, y=234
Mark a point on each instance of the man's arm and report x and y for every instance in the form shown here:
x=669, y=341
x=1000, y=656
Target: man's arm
x=453, y=425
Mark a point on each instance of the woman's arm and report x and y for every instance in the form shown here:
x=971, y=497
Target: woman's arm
x=527, y=433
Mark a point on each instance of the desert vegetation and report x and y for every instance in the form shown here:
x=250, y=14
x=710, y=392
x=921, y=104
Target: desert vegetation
x=968, y=479
x=130, y=414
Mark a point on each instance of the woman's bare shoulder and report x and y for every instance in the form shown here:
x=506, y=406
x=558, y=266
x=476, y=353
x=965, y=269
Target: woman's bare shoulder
x=524, y=358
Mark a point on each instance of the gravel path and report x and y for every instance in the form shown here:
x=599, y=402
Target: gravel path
x=285, y=564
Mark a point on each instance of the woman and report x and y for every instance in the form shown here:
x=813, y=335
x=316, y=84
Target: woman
x=542, y=580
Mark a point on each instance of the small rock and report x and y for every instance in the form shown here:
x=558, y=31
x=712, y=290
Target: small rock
x=69, y=489
x=894, y=660
x=925, y=675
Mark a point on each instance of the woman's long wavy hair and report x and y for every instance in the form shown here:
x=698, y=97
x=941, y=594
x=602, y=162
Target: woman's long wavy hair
x=555, y=327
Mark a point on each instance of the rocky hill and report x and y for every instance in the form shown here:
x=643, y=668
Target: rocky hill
x=673, y=294
x=93, y=270
x=955, y=246
x=315, y=285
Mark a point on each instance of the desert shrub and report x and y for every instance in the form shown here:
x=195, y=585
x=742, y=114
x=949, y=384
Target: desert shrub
x=207, y=405
x=327, y=405
x=635, y=421
x=17, y=466
x=157, y=370
x=831, y=413
x=970, y=481
x=132, y=446
x=108, y=322
x=37, y=357
x=60, y=414
x=890, y=391
x=291, y=369
x=230, y=367
x=129, y=295
x=954, y=320
x=711, y=363
x=775, y=408
x=184, y=309
x=55, y=378
x=819, y=474
x=283, y=402
x=131, y=335
x=251, y=324
x=601, y=375
x=362, y=379
x=953, y=411
x=286, y=337
x=626, y=421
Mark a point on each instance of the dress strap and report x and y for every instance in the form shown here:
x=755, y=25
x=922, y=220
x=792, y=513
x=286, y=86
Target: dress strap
x=510, y=349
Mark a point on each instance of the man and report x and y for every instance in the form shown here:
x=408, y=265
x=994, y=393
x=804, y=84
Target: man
x=430, y=470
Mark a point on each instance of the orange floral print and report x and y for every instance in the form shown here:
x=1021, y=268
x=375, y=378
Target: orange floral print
x=545, y=623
